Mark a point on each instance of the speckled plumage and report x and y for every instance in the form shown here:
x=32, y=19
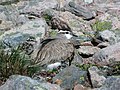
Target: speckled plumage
x=55, y=50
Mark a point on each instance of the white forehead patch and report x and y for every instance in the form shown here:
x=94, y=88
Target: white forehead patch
x=68, y=36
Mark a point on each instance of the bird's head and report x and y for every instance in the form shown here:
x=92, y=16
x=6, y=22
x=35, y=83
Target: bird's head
x=70, y=36
x=66, y=34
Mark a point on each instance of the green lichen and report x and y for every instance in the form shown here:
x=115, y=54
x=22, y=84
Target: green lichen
x=1, y=32
x=85, y=66
x=53, y=33
x=101, y=25
x=47, y=18
x=82, y=78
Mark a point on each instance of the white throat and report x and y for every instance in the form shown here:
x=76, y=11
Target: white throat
x=68, y=36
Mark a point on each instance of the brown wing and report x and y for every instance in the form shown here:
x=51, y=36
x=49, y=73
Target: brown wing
x=55, y=50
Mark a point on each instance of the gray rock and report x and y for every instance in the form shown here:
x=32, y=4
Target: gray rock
x=78, y=60
x=111, y=83
x=108, y=36
x=7, y=2
x=17, y=82
x=77, y=24
x=80, y=87
x=6, y=25
x=96, y=78
x=15, y=36
x=117, y=33
x=36, y=7
x=70, y=76
x=79, y=10
x=107, y=55
x=88, y=1
x=15, y=39
x=88, y=50
x=103, y=44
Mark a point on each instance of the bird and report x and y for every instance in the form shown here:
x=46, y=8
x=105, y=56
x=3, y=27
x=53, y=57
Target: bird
x=57, y=49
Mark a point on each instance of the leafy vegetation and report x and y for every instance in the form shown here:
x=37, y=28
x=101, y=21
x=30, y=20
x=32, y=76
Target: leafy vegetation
x=85, y=66
x=53, y=33
x=101, y=25
x=15, y=61
x=114, y=68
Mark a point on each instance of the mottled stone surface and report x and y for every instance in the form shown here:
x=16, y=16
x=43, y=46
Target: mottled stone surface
x=70, y=76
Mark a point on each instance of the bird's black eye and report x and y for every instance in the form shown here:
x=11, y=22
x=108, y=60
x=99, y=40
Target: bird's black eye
x=67, y=32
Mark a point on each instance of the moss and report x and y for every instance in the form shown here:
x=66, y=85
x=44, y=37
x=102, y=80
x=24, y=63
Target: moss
x=1, y=32
x=53, y=33
x=82, y=78
x=101, y=25
x=39, y=34
x=47, y=17
x=85, y=66
x=114, y=68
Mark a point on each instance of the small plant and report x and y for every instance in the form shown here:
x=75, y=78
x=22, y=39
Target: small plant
x=85, y=66
x=53, y=33
x=101, y=25
x=15, y=61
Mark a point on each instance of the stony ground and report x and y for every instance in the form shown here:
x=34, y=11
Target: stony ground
x=97, y=24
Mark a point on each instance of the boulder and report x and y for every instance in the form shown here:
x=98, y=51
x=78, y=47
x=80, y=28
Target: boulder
x=96, y=78
x=111, y=83
x=18, y=82
x=107, y=55
x=79, y=10
x=70, y=76
x=15, y=36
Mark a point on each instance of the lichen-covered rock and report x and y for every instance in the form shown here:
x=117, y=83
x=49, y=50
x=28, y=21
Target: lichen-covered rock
x=15, y=36
x=96, y=78
x=88, y=50
x=17, y=82
x=79, y=10
x=37, y=6
x=108, y=36
x=70, y=76
x=7, y=2
x=111, y=83
x=107, y=55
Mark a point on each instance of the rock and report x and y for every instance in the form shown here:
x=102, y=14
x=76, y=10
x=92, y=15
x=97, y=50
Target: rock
x=17, y=82
x=87, y=50
x=79, y=87
x=107, y=55
x=117, y=33
x=78, y=60
x=96, y=78
x=111, y=83
x=14, y=39
x=108, y=36
x=79, y=10
x=6, y=25
x=7, y=2
x=88, y=1
x=103, y=44
x=76, y=24
x=15, y=36
x=70, y=76
x=87, y=43
x=36, y=7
